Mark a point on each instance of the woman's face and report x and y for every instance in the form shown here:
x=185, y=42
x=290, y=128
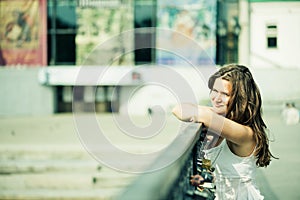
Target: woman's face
x=220, y=95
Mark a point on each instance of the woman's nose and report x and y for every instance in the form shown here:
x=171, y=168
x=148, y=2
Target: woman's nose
x=218, y=97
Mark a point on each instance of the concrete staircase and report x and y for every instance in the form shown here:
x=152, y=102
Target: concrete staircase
x=42, y=157
x=56, y=172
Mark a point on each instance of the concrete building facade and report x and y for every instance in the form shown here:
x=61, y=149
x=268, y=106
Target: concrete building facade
x=274, y=34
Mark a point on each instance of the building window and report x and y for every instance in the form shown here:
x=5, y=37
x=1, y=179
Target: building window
x=76, y=27
x=272, y=42
x=271, y=34
x=144, y=16
x=61, y=32
x=79, y=29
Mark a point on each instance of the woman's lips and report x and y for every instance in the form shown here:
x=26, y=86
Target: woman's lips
x=219, y=106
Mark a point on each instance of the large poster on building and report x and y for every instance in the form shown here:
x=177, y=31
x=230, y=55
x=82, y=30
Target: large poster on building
x=23, y=32
x=99, y=36
x=196, y=20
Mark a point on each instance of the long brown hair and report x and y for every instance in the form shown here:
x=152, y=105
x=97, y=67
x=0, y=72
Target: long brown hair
x=244, y=106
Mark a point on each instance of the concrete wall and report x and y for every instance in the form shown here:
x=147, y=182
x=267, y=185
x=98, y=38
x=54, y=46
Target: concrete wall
x=22, y=94
x=278, y=85
x=286, y=16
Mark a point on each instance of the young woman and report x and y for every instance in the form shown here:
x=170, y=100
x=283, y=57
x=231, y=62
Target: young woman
x=240, y=143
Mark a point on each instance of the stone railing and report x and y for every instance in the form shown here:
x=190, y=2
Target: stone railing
x=173, y=181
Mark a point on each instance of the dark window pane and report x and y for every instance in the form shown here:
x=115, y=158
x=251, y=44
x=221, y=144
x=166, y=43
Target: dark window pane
x=65, y=49
x=65, y=16
x=50, y=16
x=272, y=42
x=49, y=49
x=61, y=32
x=144, y=16
x=63, y=12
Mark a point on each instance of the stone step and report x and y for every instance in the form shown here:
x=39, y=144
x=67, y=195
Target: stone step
x=60, y=194
x=42, y=152
x=65, y=180
x=59, y=152
x=44, y=166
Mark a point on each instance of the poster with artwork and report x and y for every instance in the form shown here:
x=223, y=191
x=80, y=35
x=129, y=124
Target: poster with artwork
x=194, y=20
x=99, y=29
x=23, y=33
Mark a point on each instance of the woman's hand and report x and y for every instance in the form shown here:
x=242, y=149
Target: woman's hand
x=186, y=112
x=191, y=112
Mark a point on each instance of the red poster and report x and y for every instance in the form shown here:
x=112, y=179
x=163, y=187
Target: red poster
x=23, y=32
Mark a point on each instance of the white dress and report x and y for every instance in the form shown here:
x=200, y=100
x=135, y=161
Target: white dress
x=235, y=175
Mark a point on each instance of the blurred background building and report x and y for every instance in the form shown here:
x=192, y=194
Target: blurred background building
x=42, y=42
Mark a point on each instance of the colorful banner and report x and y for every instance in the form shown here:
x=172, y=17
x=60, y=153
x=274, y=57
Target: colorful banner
x=196, y=20
x=23, y=32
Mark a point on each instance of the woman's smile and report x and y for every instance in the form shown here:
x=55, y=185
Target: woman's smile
x=220, y=95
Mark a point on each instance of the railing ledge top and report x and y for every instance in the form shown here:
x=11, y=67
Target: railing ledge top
x=156, y=184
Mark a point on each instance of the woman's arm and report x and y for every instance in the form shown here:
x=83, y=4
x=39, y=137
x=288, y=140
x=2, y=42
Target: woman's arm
x=232, y=131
